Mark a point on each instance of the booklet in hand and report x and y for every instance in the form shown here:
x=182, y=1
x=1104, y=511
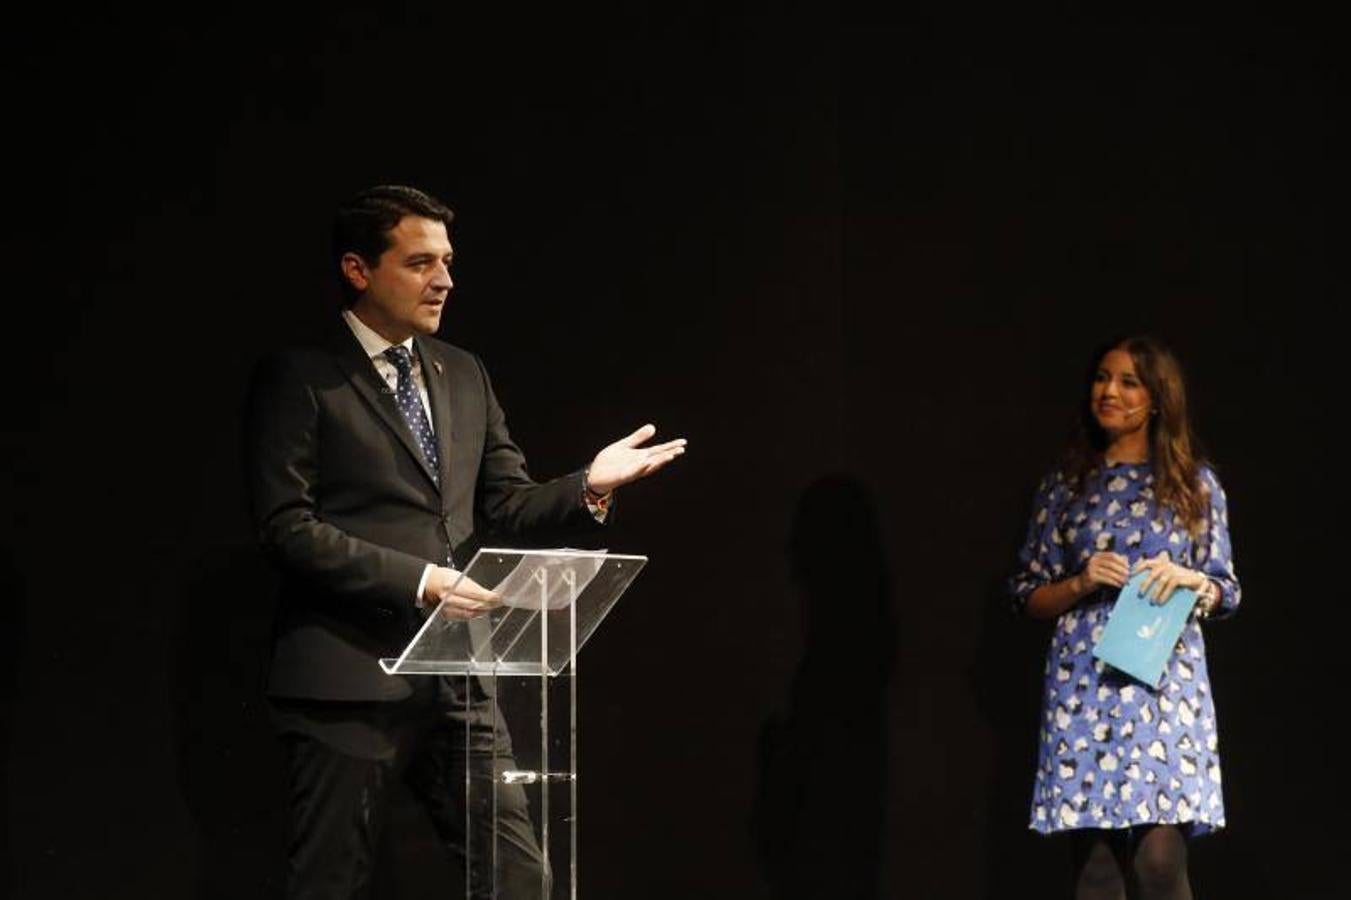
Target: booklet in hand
x=1140, y=635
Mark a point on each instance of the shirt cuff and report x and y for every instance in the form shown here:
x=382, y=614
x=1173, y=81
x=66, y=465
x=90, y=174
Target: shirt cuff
x=599, y=508
x=422, y=585
x=596, y=504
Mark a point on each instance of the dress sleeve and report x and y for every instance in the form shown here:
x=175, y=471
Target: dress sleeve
x=1214, y=555
x=1041, y=560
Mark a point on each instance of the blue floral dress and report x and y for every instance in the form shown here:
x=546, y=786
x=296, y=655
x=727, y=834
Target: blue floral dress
x=1113, y=752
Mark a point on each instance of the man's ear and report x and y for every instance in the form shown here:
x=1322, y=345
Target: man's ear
x=355, y=271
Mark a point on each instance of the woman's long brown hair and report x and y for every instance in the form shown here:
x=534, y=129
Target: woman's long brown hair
x=1174, y=453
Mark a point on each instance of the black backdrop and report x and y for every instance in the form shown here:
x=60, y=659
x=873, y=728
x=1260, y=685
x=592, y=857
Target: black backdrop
x=858, y=264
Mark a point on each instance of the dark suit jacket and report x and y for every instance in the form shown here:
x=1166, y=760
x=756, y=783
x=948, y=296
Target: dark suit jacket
x=346, y=505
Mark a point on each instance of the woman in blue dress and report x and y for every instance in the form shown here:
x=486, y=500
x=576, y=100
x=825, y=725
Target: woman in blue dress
x=1130, y=770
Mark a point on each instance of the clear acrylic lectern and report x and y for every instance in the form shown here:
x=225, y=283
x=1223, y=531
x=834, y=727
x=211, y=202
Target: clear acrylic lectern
x=524, y=653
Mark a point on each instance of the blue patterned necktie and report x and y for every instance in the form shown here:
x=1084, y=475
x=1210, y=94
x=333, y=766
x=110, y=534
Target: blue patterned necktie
x=410, y=404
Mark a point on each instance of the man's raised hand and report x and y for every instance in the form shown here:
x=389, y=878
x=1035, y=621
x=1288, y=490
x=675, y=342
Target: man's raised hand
x=626, y=460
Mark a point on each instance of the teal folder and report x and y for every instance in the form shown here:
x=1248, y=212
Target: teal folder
x=1139, y=635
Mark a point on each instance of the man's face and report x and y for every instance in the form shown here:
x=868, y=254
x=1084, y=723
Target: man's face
x=405, y=291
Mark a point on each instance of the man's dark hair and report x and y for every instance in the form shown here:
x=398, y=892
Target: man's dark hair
x=362, y=224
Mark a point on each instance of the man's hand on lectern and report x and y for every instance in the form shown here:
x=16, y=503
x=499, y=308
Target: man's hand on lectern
x=464, y=598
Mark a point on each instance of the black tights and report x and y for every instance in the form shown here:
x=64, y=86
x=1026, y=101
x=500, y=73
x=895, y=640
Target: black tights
x=1152, y=860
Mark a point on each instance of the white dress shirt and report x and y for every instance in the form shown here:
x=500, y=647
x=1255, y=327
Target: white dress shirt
x=375, y=347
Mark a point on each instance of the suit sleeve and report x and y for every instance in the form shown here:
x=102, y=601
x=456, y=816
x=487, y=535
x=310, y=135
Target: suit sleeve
x=508, y=498
x=281, y=456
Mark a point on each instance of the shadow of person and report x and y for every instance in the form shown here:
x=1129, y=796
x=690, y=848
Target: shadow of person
x=818, y=815
x=1005, y=679
x=13, y=618
x=230, y=769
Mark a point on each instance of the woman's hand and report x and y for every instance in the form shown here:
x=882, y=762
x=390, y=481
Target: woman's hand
x=1104, y=569
x=1166, y=576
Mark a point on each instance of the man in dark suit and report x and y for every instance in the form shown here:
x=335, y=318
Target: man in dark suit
x=375, y=459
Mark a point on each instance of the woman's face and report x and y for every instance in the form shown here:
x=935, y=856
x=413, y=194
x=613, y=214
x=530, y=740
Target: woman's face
x=1119, y=400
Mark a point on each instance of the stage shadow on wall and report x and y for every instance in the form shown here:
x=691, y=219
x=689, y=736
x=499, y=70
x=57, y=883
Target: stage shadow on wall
x=819, y=809
x=230, y=768
x=1005, y=679
x=12, y=626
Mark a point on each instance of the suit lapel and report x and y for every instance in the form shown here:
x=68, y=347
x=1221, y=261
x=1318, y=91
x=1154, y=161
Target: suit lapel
x=361, y=373
x=438, y=397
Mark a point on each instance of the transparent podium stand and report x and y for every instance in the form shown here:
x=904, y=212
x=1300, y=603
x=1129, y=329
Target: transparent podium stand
x=524, y=654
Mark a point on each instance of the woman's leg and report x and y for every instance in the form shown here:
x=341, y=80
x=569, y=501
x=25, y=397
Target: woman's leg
x=1160, y=864
x=1099, y=872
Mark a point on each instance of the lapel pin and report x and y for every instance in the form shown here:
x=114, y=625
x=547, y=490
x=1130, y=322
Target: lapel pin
x=436, y=364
